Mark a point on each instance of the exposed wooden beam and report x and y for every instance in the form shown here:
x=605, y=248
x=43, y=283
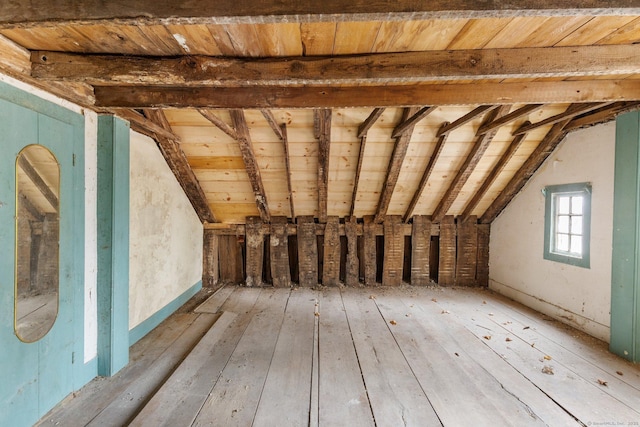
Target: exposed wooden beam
x=425, y=66
x=473, y=158
x=285, y=142
x=250, y=163
x=369, y=122
x=495, y=172
x=393, y=172
x=535, y=160
x=514, y=115
x=30, y=207
x=602, y=115
x=273, y=123
x=367, y=96
x=412, y=121
x=464, y=119
x=585, y=108
x=143, y=125
x=147, y=12
x=177, y=161
x=219, y=123
x=322, y=131
x=356, y=183
x=427, y=173
x=37, y=180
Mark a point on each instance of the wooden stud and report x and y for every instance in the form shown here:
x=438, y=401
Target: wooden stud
x=393, y=172
x=473, y=158
x=482, y=265
x=279, y=245
x=369, y=122
x=322, y=128
x=539, y=155
x=427, y=173
x=420, y=250
x=504, y=93
x=287, y=162
x=380, y=68
x=254, y=242
x=218, y=122
x=369, y=237
x=177, y=161
x=393, y=251
x=331, y=262
x=467, y=252
x=230, y=256
x=450, y=127
x=210, y=267
x=353, y=263
x=495, y=172
x=250, y=162
x=354, y=196
x=307, y=251
x=447, y=262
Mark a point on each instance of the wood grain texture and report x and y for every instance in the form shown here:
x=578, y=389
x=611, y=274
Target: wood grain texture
x=331, y=261
x=369, y=251
x=482, y=265
x=352, y=269
x=420, y=250
x=254, y=243
x=393, y=251
x=307, y=251
x=279, y=245
x=322, y=130
x=210, y=261
x=447, y=260
x=467, y=252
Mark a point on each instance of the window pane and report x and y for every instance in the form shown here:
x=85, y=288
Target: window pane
x=576, y=245
x=562, y=242
x=576, y=225
x=576, y=205
x=564, y=203
x=563, y=224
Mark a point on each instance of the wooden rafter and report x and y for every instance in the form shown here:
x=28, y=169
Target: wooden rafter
x=491, y=178
x=602, y=115
x=480, y=146
x=393, y=172
x=30, y=207
x=514, y=115
x=412, y=121
x=146, y=12
x=287, y=162
x=464, y=119
x=143, y=125
x=37, y=180
x=585, y=108
x=434, y=65
x=369, y=122
x=427, y=172
x=539, y=155
x=250, y=163
x=219, y=123
x=273, y=123
x=322, y=131
x=177, y=161
x=367, y=96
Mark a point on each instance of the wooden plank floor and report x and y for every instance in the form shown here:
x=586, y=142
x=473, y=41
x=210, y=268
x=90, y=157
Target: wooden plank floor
x=403, y=356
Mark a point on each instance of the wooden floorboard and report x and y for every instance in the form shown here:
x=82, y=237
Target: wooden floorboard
x=401, y=356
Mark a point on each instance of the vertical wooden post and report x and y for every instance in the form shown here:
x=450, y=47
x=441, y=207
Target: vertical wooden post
x=254, y=241
x=447, y=262
x=279, y=244
x=482, y=267
x=230, y=256
x=307, y=251
x=393, y=251
x=353, y=263
x=421, y=250
x=369, y=252
x=467, y=252
x=210, y=271
x=331, y=264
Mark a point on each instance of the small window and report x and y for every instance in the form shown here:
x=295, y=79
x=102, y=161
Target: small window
x=567, y=223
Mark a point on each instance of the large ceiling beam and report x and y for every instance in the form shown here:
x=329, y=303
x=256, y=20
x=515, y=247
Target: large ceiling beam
x=443, y=65
x=367, y=96
x=15, y=13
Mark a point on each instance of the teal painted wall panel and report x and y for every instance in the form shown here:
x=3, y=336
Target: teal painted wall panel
x=113, y=245
x=625, y=280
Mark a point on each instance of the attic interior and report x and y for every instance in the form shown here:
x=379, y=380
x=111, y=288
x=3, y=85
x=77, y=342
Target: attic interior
x=217, y=192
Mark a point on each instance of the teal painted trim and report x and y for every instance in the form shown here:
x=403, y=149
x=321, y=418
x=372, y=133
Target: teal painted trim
x=625, y=268
x=86, y=372
x=113, y=245
x=155, y=319
x=583, y=188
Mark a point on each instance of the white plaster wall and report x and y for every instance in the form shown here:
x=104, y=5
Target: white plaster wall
x=165, y=234
x=577, y=296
